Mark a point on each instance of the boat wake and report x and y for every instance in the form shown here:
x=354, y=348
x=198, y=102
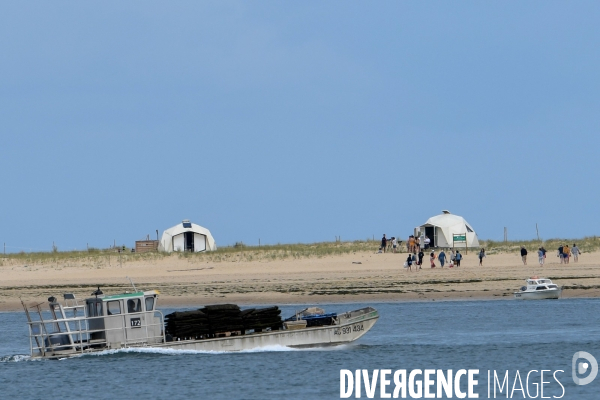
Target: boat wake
x=15, y=358
x=175, y=352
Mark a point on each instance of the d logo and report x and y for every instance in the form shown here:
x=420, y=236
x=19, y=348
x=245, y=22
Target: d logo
x=582, y=367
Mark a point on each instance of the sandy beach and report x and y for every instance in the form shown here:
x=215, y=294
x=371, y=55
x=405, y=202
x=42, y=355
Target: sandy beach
x=364, y=276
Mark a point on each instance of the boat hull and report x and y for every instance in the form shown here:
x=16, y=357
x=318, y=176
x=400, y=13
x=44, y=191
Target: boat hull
x=302, y=338
x=539, y=295
x=349, y=327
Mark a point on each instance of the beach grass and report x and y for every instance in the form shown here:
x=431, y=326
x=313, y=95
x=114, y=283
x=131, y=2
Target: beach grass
x=241, y=252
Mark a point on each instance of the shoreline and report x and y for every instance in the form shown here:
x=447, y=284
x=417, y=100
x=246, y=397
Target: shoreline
x=349, y=278
x=169, y=302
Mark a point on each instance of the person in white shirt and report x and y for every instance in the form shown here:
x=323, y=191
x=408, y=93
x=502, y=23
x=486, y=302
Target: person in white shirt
x=575, y=252
x=394, y=243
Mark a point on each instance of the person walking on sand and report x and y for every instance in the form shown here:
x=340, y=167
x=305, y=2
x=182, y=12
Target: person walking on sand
x=394, y=243
x=481, y=257
x=543, y=251
x=409, y=262
x=383, y=243
x=452, y=258
x=524, y=255
x=442, y=258
x=432, y=259
x=561, y=255
x=421, y=255
x=575, y=251
x=567, y=253
x=414, y=260
x=541, y=257
x=458, y=258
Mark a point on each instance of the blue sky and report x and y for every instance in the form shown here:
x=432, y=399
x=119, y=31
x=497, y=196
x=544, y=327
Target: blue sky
x=296, y=121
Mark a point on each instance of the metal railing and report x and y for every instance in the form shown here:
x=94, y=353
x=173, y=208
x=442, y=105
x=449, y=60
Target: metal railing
x=70, y=335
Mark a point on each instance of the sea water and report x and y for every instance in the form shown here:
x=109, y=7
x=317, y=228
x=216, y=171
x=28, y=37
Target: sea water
x=485, y=335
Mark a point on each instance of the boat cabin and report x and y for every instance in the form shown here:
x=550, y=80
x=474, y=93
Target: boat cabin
x=535, y=283
x=124, y=318
x=102, y=322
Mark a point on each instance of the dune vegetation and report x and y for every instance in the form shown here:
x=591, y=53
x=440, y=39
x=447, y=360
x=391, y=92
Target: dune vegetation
x=243, y=252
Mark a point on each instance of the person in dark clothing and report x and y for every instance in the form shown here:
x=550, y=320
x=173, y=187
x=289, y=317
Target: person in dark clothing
x=383, y=243
x=524, y=255
x=409, y=262
x=561, y=254
x=458, y=257
x=421, y=255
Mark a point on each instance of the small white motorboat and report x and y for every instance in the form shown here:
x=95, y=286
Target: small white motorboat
x=538, y=289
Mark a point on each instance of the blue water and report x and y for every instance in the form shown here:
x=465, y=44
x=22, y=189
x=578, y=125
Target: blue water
x=484, y=335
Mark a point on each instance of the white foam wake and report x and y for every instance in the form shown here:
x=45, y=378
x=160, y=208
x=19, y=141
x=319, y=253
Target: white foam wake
x=15, y=358
x=174, y=352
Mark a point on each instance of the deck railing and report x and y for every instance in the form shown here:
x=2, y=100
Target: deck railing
x=55, y=336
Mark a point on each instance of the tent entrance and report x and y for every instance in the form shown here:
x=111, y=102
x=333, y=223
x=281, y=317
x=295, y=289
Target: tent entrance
x=430, y=233
x=188, y=238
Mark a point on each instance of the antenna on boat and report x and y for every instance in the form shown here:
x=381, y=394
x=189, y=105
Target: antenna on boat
x=132, y=284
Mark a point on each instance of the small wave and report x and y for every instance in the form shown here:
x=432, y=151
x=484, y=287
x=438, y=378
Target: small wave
x=15, y=358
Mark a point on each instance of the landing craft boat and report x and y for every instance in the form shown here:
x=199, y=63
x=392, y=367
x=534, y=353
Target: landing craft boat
x=130, y=320
x=538, y=289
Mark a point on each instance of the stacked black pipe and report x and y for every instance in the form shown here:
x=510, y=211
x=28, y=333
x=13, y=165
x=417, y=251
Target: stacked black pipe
x=187, y=324
x=224, y=318
x=212, y=320
x=262, y=318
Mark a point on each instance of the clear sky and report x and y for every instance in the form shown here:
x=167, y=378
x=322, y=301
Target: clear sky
x=296, y=121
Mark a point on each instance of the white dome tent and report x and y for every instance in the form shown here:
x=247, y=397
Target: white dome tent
x=187, y=237
x=441, y=228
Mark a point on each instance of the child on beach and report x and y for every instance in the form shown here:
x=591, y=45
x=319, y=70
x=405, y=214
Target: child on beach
x=432, y=259
x=409, y=262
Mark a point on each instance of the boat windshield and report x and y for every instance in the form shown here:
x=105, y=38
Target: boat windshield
x=541, y=288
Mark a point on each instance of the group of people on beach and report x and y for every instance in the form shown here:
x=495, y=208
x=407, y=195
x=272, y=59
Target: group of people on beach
x=416, y=254
x=416, y=259
x=390, y=244
x=564, y=253
x=413, y=244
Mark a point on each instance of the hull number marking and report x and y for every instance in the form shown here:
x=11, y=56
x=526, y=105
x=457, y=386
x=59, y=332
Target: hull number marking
x=349, y=329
